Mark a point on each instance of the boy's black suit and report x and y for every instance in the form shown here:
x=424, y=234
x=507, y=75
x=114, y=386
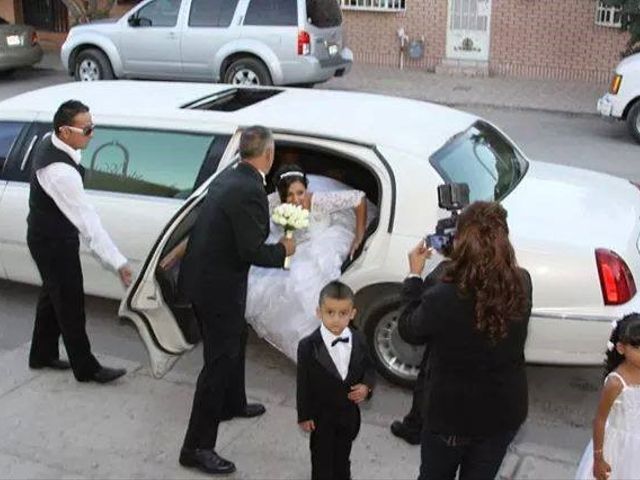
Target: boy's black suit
x=322, y=396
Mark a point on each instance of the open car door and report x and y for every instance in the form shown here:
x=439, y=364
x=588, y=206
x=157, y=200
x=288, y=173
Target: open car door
x=164, y=319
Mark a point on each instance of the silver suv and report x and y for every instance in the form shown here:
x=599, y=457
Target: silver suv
x=247, y=42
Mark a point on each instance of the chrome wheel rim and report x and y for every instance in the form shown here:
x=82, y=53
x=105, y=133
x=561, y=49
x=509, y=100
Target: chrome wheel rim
x=638, y=124
x=88, y=71
x=399, y=358
x=245, y=76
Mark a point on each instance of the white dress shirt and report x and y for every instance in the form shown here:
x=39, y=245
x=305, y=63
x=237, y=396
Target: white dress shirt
x=341, y=352
x=64, y=185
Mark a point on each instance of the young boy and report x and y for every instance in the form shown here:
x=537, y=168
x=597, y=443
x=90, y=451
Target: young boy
x=335, y=374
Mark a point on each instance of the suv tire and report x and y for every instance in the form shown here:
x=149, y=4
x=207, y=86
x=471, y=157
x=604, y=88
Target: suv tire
x=633, y=121
x=92, y=65
x=396, y=360
x=247, y=71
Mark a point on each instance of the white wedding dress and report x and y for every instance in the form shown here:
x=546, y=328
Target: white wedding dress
x=621, y=437
x=281, y=304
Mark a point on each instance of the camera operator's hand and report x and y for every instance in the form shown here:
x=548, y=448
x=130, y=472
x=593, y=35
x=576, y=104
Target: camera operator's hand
x=418, y=257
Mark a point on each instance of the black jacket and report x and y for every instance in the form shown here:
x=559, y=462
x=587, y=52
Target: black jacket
x=471, y=387
x=320, y=388
x=228, y=237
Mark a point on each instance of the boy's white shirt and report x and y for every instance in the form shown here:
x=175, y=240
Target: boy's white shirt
x=340, y=353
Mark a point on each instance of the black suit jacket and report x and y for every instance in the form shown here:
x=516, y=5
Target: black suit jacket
x=228, y=237
x=321, y=392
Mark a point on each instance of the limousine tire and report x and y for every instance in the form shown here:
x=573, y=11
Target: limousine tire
x=92, y=65
x=633, y=121
x=247, y=71
x=396, y=360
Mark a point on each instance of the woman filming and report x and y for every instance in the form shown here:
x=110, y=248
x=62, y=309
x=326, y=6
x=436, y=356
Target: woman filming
x=475, y=321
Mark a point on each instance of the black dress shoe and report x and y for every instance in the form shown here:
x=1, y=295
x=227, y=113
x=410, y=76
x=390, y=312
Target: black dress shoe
x=207, y=461
x=400, y=430
x=106, y=375
x=251, y=410
x=55, y=364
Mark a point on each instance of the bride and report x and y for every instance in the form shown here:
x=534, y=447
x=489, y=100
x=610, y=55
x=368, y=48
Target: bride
x=281, y=304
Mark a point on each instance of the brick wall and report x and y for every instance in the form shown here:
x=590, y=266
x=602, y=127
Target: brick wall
x=373, y=35
x=555, y=39
x=7, y=10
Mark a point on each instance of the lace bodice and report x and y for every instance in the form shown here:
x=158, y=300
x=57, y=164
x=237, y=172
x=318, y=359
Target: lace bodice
x=625, y=412
x=323, y=205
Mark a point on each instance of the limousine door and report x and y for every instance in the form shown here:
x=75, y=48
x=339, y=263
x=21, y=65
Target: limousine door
x=165, y=321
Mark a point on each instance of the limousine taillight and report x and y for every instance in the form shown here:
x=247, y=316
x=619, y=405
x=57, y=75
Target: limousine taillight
x=616, y=280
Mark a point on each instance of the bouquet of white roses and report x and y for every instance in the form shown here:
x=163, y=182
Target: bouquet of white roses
x=290, y=217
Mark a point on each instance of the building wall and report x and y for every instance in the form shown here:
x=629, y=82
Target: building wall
x=373, y=35
x=552, y=39
x=555, y=39
x=7, y=10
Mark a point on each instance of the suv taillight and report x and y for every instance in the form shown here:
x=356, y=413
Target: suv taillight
x=616, y=280
x=304, y=43
x=34, y=39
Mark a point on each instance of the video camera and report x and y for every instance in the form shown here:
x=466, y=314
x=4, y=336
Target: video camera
x=452, y=197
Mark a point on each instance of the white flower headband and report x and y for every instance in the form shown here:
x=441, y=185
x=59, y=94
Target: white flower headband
x=610, y=345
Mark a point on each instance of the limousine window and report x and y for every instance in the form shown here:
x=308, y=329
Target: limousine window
x=144, y=162
x=482, y=158
x=9, y=132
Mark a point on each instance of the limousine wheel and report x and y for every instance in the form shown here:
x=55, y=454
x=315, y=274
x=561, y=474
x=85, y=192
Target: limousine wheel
x=247, y=71
x=92, y=65
x=395, y=359
x=633, y=121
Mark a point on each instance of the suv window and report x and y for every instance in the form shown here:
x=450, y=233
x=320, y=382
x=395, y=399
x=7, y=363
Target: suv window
x=482, y=158
x=160, y=13
x=212, y=13
x=324, y=13
x=272, y=13
x=144, y=162
x=9, y=132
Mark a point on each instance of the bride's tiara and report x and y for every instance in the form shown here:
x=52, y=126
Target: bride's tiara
x=291, y=174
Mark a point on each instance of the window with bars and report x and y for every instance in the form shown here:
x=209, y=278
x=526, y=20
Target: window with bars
x=608, y=16
x=374, y=5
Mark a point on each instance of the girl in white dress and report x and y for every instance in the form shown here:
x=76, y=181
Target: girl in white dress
x=614, y=452
x=281, y=304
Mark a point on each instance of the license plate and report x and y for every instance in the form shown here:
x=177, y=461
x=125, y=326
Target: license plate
x=13, y=40
x=333, y=50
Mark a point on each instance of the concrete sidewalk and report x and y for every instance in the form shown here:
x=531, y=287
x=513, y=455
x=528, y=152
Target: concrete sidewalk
x=55, y=427
x=545, y=95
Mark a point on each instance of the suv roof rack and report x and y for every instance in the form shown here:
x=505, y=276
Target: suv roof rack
x=232, y=99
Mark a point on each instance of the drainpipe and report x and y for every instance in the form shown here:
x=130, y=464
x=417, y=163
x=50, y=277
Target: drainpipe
x=404, y=38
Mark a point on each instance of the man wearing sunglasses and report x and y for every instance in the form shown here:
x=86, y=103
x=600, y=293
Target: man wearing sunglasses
x=59, y=213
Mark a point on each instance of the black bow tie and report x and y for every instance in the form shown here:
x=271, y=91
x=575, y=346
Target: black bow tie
x=338, y=340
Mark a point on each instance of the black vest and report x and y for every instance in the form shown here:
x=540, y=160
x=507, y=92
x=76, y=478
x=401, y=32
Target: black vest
x=45, y=218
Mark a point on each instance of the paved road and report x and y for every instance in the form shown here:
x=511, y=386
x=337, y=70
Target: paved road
x=562, y=399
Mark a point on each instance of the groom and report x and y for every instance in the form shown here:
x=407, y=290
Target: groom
x=228, y=237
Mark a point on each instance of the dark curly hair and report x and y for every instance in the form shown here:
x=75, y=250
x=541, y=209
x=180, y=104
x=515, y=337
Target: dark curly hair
x=483, y=266
x=287, y=175
x=627, y=332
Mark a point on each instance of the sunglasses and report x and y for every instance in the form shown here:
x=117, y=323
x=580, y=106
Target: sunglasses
x=86, y=131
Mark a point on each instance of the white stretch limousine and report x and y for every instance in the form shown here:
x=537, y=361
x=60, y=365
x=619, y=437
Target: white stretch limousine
x=157, y=146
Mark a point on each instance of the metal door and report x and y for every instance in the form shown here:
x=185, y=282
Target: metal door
x=49, y=15
x=468, y=30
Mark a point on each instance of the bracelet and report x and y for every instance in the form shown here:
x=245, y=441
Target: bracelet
x=598, y=452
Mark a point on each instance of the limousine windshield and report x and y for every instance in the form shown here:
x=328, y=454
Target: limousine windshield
x=482, y=158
